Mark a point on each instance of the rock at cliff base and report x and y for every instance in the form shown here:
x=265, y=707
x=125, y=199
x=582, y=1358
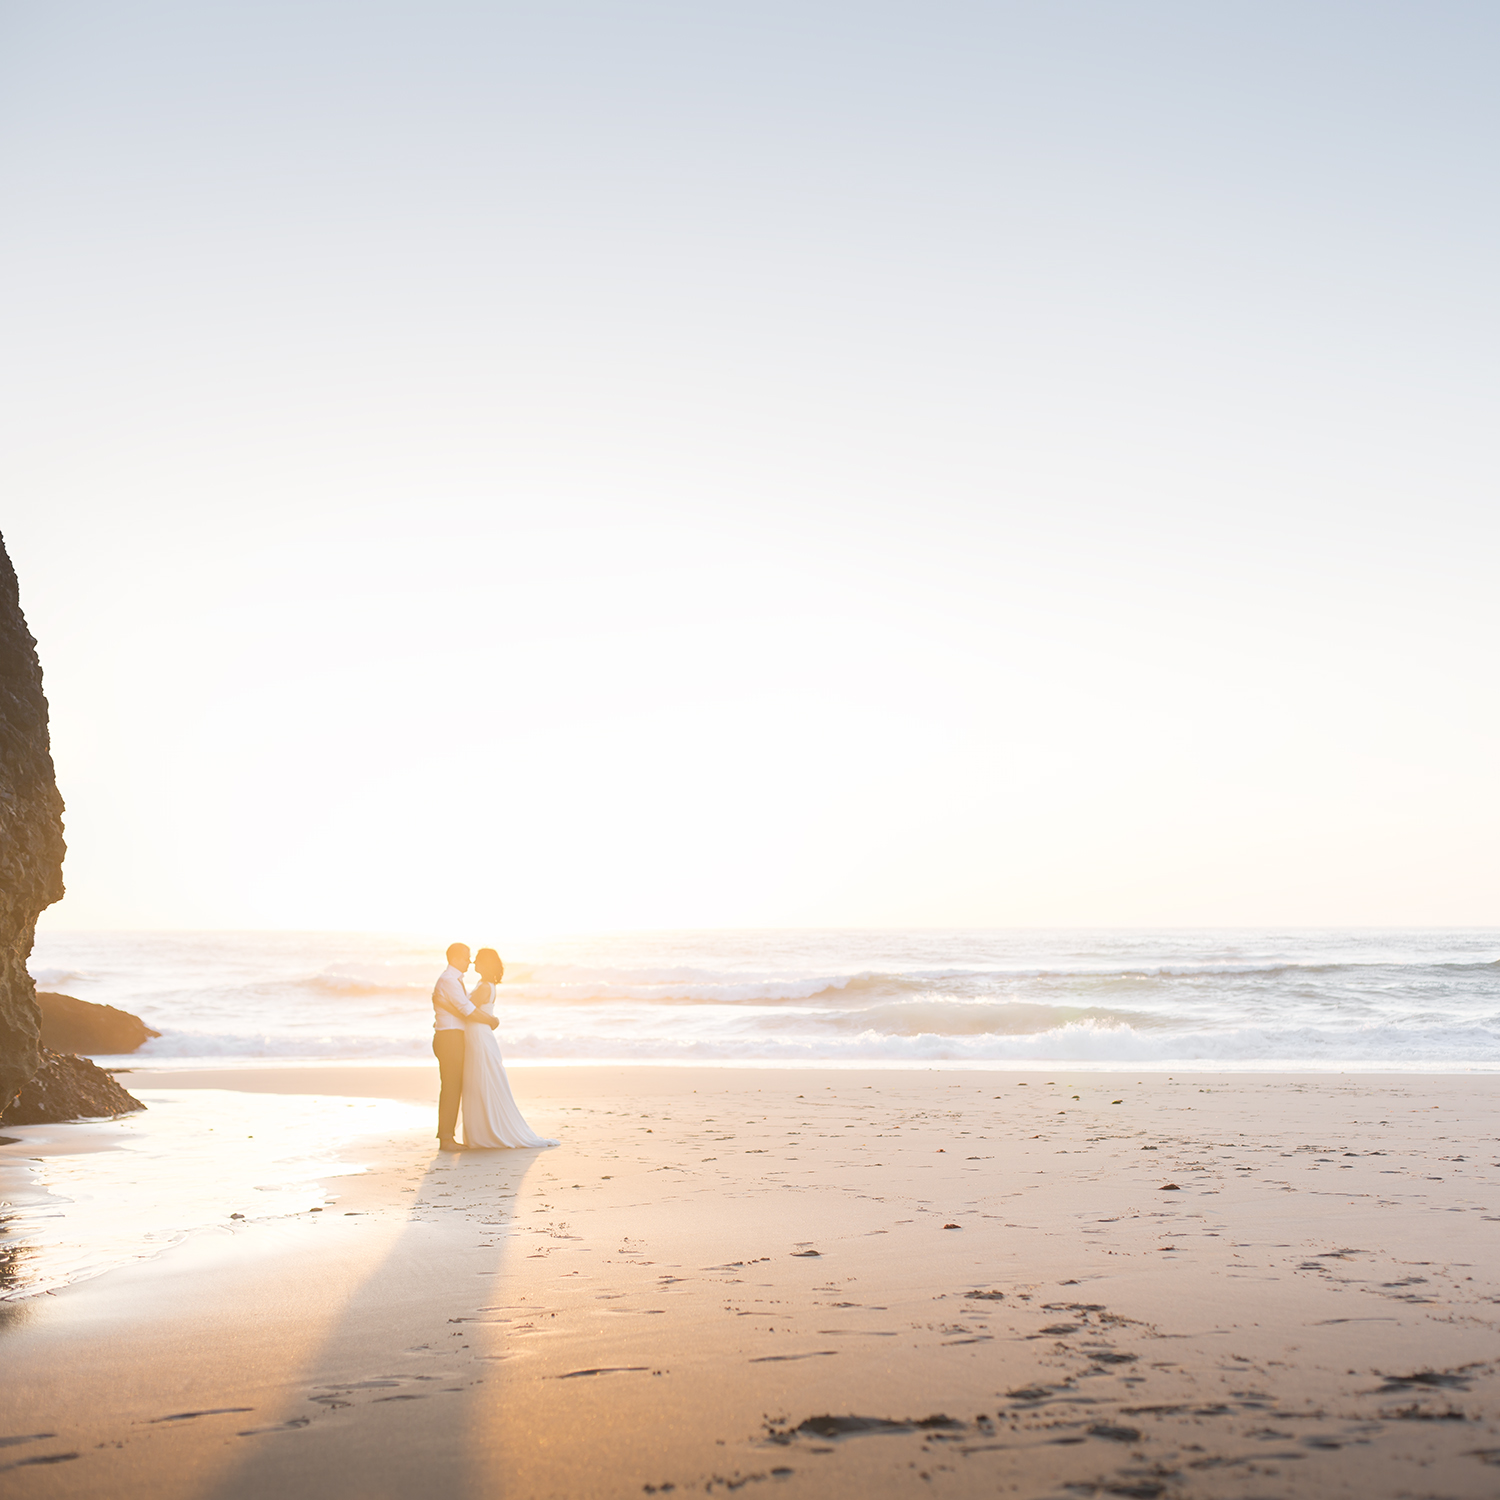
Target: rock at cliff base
x=68, y=1088
x=70, y=1025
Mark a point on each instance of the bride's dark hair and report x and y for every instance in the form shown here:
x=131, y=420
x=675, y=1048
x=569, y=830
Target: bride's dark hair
x=487, y=961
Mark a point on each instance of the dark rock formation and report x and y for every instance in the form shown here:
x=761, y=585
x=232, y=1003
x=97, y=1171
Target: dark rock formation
x=31, y=833
x=68, y=1088
x=70, y=1025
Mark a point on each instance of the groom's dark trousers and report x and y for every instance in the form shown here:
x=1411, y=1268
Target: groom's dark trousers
x=448, y=1048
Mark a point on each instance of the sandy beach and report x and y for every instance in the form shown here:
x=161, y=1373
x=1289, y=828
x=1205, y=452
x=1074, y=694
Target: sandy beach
x=818, y=1283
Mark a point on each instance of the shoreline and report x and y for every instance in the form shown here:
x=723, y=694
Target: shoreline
x=641, y=1306
x=133, y=1063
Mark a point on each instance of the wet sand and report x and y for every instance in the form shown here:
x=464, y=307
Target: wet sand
x=814, y=1284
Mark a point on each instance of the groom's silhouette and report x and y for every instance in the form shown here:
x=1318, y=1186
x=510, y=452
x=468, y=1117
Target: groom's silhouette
x=450, y=1009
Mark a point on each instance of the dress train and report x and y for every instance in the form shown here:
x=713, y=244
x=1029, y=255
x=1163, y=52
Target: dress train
x=491, y=1116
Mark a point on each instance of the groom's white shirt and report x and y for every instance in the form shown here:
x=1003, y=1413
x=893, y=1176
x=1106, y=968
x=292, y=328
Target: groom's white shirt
x=450, y=1002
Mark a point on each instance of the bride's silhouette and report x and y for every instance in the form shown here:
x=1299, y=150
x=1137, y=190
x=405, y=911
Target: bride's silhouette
x=491, y=1117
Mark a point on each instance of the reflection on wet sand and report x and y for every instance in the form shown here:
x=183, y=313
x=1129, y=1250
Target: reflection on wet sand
x=88, y=1197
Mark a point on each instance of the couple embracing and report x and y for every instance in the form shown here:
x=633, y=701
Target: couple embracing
x=470, y=1067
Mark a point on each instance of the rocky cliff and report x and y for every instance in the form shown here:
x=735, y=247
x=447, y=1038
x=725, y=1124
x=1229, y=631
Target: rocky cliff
x=68, y=1088
x=31, y=833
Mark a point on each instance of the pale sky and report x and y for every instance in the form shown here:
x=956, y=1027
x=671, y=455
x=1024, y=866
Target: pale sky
x=594, y=465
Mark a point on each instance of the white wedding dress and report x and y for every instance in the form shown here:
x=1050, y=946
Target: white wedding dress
x=490, y=1114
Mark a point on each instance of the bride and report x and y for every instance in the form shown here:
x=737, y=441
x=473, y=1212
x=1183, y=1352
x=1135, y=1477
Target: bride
x=490, y=1114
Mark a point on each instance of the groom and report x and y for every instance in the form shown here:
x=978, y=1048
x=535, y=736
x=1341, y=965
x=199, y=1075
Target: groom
x=450, y=1008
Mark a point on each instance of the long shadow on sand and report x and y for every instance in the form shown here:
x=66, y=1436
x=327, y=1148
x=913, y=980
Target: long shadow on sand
x=395, y=1399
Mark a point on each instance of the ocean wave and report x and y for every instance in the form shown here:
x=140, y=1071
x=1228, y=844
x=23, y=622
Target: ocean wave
x=578, y=987
x=354, y=984
x=1084, y=1042
x=706, y=981
x=55, y=979
x=261, y=1045
x=958, y=986
x=935, y=1018
x=1086, y=1039
x=409, y=985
